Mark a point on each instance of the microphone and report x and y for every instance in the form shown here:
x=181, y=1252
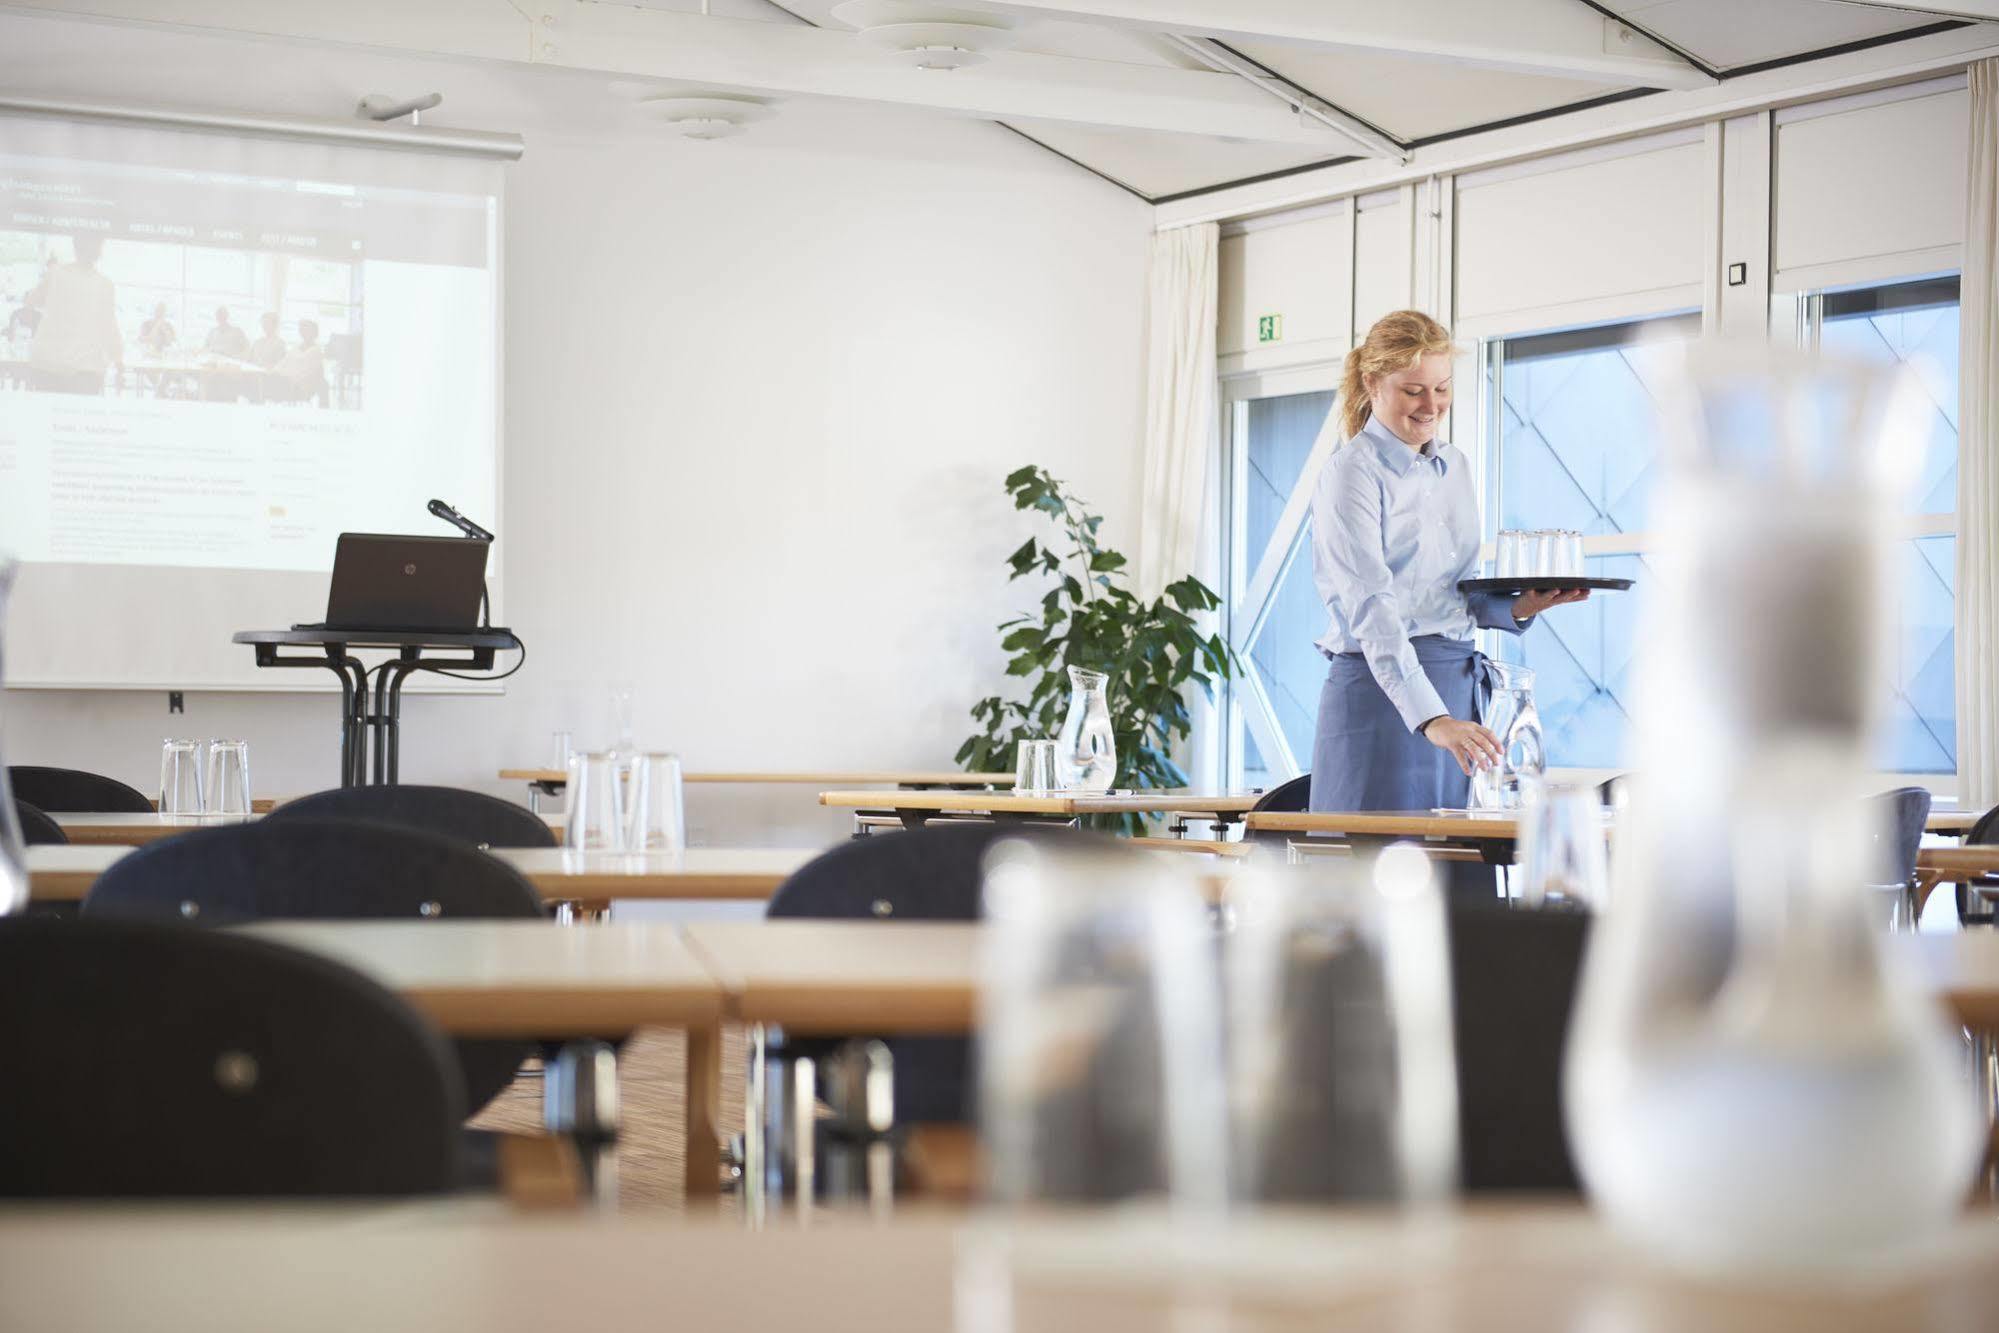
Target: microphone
x=459, y=521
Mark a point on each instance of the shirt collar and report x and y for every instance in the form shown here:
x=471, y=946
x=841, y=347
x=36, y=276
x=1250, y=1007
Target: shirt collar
x=1398, y=456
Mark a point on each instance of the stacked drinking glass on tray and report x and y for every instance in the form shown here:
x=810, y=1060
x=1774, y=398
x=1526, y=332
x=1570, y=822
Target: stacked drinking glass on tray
x=1541, y=553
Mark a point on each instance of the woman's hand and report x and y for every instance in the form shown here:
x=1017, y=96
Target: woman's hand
x=1469, y=743
x=1530, y=604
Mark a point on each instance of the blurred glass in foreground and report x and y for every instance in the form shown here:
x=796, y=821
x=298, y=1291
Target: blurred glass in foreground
x=1733, y=981
x=1100, y=1051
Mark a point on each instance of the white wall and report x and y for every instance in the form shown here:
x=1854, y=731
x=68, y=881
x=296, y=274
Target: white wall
x=760, y=395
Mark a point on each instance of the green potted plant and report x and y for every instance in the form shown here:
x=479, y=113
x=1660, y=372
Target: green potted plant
x=1152, y=651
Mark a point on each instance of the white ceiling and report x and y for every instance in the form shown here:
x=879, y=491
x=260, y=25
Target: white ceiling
x=1114, y=85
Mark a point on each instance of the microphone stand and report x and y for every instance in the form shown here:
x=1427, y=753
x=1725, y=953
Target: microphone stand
x=474, y=532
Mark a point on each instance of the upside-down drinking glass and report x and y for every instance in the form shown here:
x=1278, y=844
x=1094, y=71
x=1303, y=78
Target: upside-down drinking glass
x=1100, y=1053
x=180, y=778
x=654, y=820
x=1034, y=768
x=1562, y=861
x=593, y=816
x=229, y=778
x=1342, y=1080
x=1511, y=558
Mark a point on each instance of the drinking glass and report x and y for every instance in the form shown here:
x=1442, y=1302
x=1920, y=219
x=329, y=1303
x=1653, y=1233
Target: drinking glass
x=1571, y=559
x=1034, y=768
x=655, y=818
x=180, y=778
x=1547, y=549
x=229, y=778
x=1511, y=556
x=1342, y=1078
x=1100, y=1041
x=593, y=812
x=561, y=747
x=1562, y=861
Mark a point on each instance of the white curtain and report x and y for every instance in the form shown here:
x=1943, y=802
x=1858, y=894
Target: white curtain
x=1978, y=459
x=1179, y=404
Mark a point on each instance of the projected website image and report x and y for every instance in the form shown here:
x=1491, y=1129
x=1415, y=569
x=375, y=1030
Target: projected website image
x=183, y=318
x=172, y=320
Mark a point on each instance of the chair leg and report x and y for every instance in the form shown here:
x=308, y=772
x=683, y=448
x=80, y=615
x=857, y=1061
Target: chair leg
x=580, y=1102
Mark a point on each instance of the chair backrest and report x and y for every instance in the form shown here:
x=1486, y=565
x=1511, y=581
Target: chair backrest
x=325, y=868
x=1613, y=791
x=37, y=829
x=1289, y=797
x=926, y=874
x=1985, y=832
x=1903, y=814
x=310, y=868
x=73, y=791
x=153, y=1060
x=1513, y=983
x=469, y=816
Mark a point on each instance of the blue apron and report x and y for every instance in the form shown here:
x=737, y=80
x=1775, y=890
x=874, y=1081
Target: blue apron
x=1364, y=758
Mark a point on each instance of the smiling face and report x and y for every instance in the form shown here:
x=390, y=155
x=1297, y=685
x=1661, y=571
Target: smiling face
x=1411, y=402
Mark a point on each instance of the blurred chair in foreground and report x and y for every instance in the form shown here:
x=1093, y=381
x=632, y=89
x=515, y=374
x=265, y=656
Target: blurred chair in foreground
x=320, y=869
x=1289, y=797
x=155, y=1060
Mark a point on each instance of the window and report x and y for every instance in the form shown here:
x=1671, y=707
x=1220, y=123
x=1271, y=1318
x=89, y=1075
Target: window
x=1572, y=443
x=1573, y=438
x=1275, y=447
x=1914, y=324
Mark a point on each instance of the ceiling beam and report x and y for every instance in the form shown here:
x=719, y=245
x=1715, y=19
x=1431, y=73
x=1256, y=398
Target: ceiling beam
x=1560, y=38
x=774, y=59
x=1976, y=10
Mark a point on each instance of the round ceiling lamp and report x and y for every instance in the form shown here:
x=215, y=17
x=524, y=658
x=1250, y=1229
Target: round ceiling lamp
x=710, y=115
x=926, y=36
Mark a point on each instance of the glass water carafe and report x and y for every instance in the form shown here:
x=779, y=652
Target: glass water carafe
x=13, y=862
x=1086, y=752
x=1510, y=715
x=1752, y=1081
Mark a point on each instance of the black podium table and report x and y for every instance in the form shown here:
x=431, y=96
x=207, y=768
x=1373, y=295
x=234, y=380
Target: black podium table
x=414, y=652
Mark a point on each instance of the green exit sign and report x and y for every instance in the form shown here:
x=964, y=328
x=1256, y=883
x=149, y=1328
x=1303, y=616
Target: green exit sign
x=1270, y=328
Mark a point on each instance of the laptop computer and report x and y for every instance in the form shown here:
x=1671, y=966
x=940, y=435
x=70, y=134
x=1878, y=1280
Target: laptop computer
x=382, y=581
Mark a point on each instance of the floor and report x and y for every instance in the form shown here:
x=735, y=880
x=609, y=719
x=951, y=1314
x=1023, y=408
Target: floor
x=653, y=1137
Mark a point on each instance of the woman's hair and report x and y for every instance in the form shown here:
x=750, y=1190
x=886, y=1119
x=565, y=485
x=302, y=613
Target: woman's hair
x=1396, y=342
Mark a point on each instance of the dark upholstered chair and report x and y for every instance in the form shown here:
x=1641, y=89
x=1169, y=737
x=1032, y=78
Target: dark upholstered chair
x=1290, y=797
x=1513, y=982
x=73, y=791
x=1902, y=814
x=321, y=869
x=927, y=874
x=1973, y=907
x=154, y=1060
x=469, y=816
x=37, y=829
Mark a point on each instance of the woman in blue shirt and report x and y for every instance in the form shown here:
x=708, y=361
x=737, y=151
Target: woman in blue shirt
x=1394, y=528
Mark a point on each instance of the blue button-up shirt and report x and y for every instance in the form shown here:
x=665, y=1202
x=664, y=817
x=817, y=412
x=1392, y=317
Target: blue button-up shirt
x=1393, y=531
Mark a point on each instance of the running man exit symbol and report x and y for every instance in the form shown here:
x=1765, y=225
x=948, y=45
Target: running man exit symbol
x=1269, y=328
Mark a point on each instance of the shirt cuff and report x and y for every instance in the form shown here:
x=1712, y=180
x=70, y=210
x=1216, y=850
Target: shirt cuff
x=1420, y=701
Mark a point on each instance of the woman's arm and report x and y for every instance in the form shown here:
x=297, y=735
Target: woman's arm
x=1352, y=562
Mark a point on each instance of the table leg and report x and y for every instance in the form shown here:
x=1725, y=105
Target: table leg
x=704, y=1102
x=392, y=722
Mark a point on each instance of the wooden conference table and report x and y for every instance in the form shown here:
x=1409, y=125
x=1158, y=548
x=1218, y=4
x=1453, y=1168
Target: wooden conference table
x=551, y=781
x=594, y=879
x=1473, y=827
x=1504, y=1266
x=913, y=807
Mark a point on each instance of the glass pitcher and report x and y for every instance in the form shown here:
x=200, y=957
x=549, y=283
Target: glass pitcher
x=1751, y=1081
x=1510, y=715
x=13, y=861
x=1086, y=752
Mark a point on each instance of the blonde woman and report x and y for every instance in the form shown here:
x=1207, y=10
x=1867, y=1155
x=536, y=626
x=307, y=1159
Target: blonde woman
x=1394, y=528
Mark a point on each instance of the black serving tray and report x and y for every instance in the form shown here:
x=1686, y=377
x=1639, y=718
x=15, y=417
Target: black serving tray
x=1543, y=585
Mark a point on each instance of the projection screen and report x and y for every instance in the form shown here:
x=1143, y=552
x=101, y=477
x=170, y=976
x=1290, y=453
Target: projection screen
x=221, y=350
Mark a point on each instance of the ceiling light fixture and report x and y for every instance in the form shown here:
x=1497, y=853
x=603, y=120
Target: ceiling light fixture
x=710, y=115
x=927, y=36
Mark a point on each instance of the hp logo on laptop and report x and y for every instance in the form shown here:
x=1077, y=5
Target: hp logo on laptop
x=409, y=569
